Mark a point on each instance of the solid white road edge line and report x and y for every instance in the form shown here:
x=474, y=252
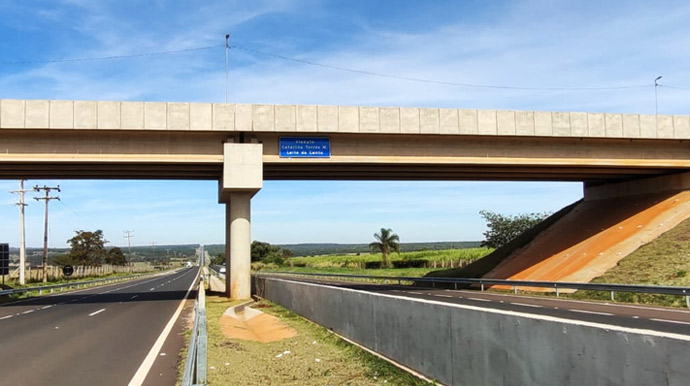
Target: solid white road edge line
x=146, y=365
x=669, y=321
x=612, y=327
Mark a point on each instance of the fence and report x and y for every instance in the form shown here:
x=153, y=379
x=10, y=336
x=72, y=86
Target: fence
x=195, y=366
x=447, y=282
x=76, y=284
x=35, y=273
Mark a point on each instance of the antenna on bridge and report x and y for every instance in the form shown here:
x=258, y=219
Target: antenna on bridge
x=227, y=76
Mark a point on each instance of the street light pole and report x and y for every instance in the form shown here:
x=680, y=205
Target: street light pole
x=656, y=100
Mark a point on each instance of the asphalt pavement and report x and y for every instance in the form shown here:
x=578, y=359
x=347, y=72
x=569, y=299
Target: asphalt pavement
x=96, y=336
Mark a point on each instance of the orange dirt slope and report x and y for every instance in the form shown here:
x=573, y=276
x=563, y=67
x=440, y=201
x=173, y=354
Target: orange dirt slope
x=593, y=237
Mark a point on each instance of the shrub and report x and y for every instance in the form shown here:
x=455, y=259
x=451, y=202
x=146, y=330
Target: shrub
x=411, y=263
x=372, y=265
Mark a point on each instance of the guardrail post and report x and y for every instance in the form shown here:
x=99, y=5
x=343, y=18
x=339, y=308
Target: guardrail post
x=201, y=349
x=687, y=301
x=557, y=294
x=515, y=289
x=613, y=296
x=482, y=284
x=455, y=285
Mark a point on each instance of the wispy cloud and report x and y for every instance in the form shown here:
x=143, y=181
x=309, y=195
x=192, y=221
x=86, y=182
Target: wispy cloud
x=520, y=43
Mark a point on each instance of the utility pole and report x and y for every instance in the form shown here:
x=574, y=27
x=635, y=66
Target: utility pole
x=128, y=236
x=22, y=232
x=47, y=199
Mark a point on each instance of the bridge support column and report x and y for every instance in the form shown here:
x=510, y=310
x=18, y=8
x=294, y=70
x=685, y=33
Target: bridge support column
x=242, y=179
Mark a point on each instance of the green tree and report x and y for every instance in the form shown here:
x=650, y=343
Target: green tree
x=63, y=260
x=218, y=259
x=502, y=229
x=115, y=257
x=387, y=242
x=262, y=251
x=87, y=248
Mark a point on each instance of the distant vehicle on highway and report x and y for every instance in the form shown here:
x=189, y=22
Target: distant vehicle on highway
x=222, y=270
x=189, y=264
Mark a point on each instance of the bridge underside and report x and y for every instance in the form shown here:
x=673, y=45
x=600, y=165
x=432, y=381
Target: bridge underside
x=89, y=154
x=75, y=169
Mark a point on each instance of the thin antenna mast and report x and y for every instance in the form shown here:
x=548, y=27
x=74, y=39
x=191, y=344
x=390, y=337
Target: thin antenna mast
x=227, y=74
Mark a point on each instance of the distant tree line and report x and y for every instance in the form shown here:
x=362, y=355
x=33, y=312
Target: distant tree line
x=88, y=249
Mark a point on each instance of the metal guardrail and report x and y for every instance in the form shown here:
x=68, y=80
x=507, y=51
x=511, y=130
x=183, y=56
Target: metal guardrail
x=70, y=285
x=515, y=284
x=195, y=368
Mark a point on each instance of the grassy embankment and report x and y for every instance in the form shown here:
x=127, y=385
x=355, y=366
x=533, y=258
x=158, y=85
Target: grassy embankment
x=411, y=263
x=664, y=261
x=316, y=356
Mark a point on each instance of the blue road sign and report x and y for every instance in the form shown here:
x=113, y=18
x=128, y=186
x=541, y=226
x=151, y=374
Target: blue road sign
x=305, y=147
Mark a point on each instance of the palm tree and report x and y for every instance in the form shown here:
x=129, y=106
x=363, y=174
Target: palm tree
x=387, y=242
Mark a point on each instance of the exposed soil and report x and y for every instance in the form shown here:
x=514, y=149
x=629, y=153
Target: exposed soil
x=254, y=325
x=594, y=237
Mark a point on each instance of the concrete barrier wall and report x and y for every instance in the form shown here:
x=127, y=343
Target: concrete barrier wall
x=465, y=345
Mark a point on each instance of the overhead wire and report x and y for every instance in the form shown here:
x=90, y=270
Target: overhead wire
x=339, y=68
x=441, y=82
x=113, y=57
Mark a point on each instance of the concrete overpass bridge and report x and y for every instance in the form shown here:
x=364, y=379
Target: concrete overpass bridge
x=240, y=145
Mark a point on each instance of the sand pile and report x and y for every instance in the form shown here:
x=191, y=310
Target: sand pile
x=250, y=324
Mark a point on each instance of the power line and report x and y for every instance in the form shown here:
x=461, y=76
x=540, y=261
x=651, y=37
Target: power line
x=433, y=81
x=114, y=57
x=675, y=87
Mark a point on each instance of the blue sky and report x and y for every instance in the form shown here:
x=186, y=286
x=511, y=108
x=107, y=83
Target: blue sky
x=527, y=44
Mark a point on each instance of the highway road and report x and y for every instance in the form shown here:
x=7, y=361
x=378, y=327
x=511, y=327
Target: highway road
x=662, y=319
x=109, y=335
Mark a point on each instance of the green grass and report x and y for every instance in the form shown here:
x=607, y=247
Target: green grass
x=240, y=362
x=440, y=259
x=664, y=261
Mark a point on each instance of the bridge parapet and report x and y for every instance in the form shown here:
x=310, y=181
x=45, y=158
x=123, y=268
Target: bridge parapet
x=309, y=119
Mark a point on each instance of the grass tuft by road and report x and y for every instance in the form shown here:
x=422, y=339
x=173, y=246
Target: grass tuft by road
x=313, y=357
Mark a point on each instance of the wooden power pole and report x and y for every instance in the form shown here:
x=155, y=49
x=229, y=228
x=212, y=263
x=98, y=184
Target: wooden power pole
x=47, y=199
x=22, y=232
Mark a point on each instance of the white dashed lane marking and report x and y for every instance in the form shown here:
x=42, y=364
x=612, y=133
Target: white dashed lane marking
x=97, y=312
x=592, y=312
x=479, y=299
x=6, y=317
x=527, y=305
x=27, y=312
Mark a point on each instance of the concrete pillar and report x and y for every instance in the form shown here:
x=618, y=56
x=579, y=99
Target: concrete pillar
x=240, y=247
x=228, y=244
x=242, y=179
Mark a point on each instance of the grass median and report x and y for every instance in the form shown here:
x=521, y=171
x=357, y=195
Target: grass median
x=314, y=356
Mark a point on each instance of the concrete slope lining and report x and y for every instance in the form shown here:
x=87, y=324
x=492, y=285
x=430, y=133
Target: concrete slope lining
x=594, y=237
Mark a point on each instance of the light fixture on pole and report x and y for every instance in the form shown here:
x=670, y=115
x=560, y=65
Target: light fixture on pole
x=656, y=100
